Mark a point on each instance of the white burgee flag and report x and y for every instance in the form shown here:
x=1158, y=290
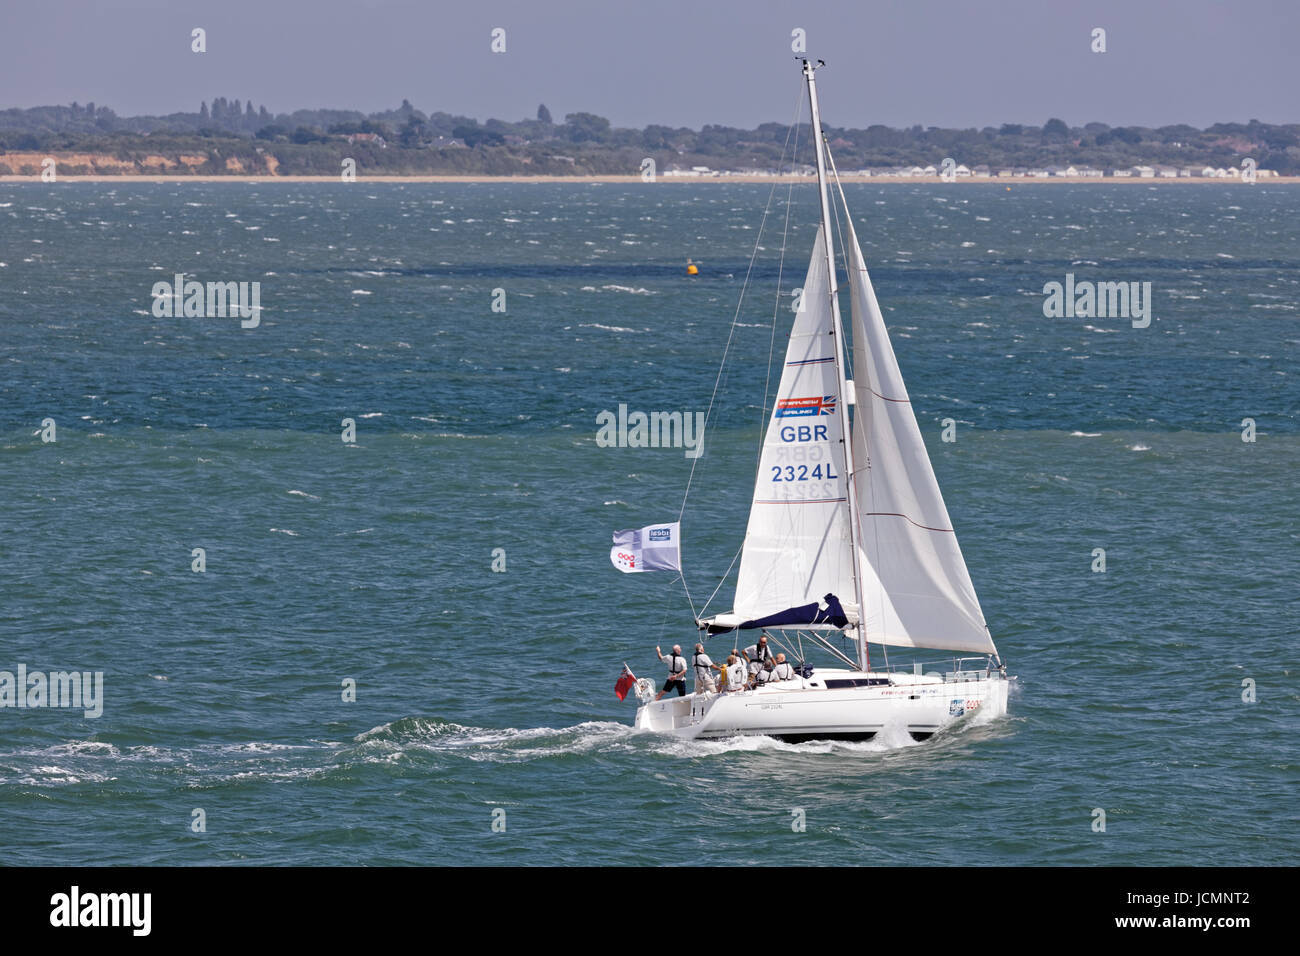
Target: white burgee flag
x=657, y=547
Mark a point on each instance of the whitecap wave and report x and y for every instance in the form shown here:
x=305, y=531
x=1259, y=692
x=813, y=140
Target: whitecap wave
x=607, y=328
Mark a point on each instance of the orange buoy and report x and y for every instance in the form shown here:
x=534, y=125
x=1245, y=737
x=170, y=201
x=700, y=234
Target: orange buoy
x=691, y=268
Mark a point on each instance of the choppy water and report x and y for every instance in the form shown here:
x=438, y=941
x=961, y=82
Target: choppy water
x=476, y=431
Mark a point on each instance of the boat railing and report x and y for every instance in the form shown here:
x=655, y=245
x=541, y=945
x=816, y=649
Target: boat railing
x=952, y=670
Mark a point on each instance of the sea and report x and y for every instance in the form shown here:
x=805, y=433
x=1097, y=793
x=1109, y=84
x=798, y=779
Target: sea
x=345, y=572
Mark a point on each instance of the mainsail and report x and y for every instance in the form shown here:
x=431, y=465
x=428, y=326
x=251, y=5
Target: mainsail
x=798, y=546
x=916, y=587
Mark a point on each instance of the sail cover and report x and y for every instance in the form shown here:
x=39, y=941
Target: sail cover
x=798, y=546
x=826, y=612
x=916, y=587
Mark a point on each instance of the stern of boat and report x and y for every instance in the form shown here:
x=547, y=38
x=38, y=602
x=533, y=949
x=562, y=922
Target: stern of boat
x=671, y=715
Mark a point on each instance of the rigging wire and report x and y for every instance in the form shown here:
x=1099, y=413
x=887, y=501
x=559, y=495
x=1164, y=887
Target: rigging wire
x=780, y=274
x=791, y=131
x=776, y=311
x=723, y=579
x=731, y=333
x=682, y=577
x=844, y=253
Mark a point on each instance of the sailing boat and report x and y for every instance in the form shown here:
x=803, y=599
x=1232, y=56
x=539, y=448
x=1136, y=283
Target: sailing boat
x=849, y=542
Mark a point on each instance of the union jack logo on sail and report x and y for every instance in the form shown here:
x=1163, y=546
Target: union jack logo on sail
x=797, y=407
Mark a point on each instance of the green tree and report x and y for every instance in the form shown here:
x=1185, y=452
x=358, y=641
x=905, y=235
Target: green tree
x=476, y=135
x=303, y=135
x=586, y=127
x=412, y=133
x=1056, y=128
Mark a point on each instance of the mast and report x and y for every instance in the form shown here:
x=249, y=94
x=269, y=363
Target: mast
x=846, y=434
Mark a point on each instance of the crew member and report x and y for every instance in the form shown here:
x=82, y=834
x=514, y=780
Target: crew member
x=676, y=671
x=782, y=670
x=735, y=674
x=756, y=654
x=703, y=679
x=764, y=676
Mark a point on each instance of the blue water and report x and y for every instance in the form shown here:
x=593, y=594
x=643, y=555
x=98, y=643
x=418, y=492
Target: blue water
x=480, y=690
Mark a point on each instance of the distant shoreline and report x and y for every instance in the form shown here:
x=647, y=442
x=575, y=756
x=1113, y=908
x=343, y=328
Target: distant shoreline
x=632, y=180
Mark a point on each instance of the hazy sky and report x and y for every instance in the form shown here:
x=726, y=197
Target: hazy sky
x=933, y=62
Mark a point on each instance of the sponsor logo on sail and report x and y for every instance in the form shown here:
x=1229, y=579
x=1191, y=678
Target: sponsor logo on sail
x=797, y=407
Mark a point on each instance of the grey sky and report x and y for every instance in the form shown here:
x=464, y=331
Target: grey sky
x=933, y=62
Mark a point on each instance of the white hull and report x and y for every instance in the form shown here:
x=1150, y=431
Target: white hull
x=855, y=706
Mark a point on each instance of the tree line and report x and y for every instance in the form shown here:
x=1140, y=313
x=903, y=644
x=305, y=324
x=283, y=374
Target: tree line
x=409, y=140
